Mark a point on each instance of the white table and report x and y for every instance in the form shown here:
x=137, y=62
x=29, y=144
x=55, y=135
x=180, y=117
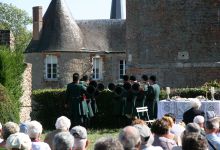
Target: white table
x=179, y=107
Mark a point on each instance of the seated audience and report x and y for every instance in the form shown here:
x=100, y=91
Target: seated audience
x=34, y=132
x=147, y=137
x=177, y=128
x=108, y=144
x=194, y=141
x=130, y=138
x=160, y=128
x=138, y=121
x=63, y=141
x=23, y=127
x=211, y=128
x=8, y=129
x=172, y=136
x=80, y=138
x=62, y=125
x=192, y=128
x=200, y=121
x=189, y=115
x=18, y=141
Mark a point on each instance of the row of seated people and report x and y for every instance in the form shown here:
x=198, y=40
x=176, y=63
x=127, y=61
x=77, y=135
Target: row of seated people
x=164, y=134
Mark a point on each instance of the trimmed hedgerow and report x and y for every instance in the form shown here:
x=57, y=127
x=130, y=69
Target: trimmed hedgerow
x=11, y=69
x=48, y=105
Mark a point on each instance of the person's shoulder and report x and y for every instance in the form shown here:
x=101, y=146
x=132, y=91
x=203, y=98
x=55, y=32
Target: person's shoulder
x=41, y=145
x=153, y=148
x=166, y=140
x=69, y=84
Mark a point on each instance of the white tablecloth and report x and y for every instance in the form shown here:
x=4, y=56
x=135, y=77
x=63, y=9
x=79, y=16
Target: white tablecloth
x=179, y=107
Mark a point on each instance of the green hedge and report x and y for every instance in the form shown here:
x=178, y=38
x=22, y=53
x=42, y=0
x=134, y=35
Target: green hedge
x=190, y=93
x=6, y=106
x=11, y=70
x=49, y=105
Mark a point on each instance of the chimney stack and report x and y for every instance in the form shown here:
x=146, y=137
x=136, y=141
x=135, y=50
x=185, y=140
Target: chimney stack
x=37, y=22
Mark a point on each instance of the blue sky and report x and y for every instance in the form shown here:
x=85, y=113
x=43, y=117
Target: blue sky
x=81, y=9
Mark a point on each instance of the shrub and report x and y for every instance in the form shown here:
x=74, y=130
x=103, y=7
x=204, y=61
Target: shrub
x=11, y=69
x=9, y=111
x=190, y=93
x=47, y=106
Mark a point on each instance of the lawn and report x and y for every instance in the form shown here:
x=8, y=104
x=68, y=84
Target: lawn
x=93, y=135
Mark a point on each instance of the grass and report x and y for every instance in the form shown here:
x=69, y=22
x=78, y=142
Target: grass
x=94, y=135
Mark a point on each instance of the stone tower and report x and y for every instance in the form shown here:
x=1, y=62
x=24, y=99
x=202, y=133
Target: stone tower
x=176, y=40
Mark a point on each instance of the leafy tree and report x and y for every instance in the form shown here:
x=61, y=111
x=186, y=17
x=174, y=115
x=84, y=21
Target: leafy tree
x=16, y=20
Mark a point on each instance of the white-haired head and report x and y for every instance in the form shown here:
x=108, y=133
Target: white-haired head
x=63, y=123
x=130, y=137
x=80, y=137
x=63, y=141
x=0, y=126
x=18, y=141
x=195, y=103
x=34, y=129
x=8, y=129
x=199, y=119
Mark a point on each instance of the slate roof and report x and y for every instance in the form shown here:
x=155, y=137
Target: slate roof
x=61, y=33
x=104, y=35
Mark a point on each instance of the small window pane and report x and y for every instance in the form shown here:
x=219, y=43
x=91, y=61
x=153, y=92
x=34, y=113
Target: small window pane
x=54, y=75
x=48, y=75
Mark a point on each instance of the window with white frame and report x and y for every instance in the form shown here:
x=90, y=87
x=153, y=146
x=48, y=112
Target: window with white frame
x=97, y=68
x=51, y=67
x=122, y=64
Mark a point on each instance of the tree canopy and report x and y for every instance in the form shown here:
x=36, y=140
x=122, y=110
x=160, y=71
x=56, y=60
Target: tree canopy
x=16, y=20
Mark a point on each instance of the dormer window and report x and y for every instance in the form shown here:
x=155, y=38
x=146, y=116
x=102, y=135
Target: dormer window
x=51, y=67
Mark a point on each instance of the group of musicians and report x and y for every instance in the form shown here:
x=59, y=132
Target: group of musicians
x=82, y=105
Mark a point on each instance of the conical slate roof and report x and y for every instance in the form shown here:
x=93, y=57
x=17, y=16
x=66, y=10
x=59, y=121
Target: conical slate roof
x=60, y=31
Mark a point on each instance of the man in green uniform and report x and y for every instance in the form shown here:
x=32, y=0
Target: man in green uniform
x=84, y=81
x=155, y=97
x=76, y=103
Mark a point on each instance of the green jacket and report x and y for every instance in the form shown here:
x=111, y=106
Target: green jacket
x=77, y=106
x=156, y=89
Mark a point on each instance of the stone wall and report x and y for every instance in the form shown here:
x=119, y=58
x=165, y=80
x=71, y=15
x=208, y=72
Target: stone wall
x=174, y=39
x=26, y=97
x=71, y=62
